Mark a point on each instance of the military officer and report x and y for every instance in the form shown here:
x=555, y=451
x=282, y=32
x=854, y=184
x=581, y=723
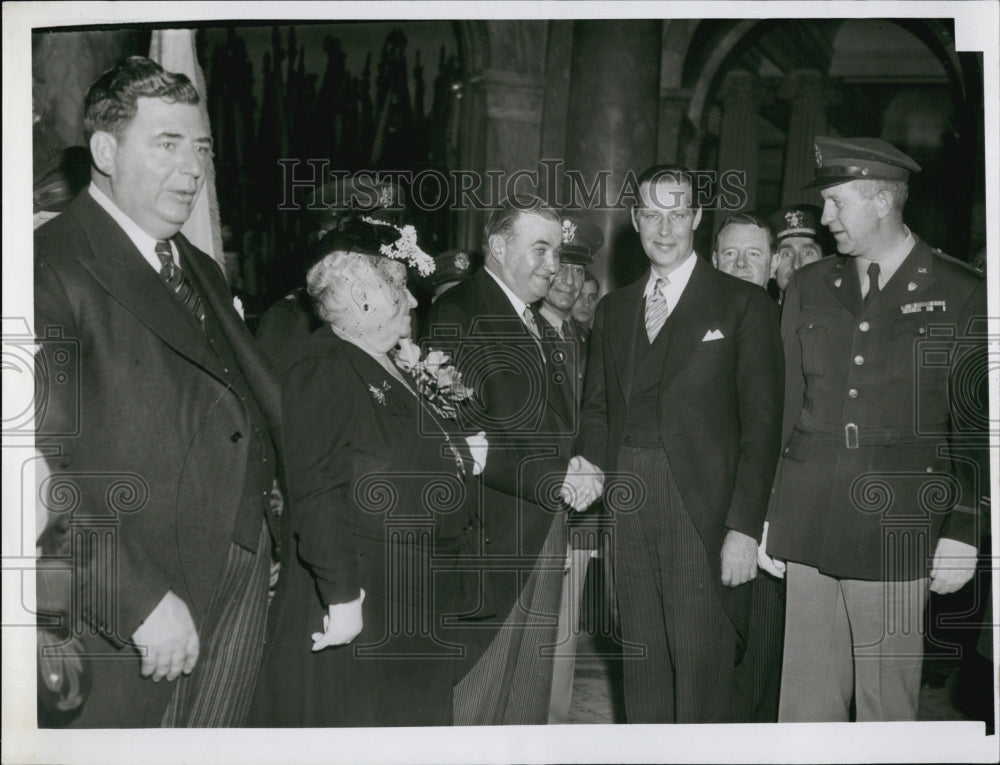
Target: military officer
x=799, y=241
x=874, y=500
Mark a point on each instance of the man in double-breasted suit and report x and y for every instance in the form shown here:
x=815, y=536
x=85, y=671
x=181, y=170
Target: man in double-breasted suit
x=164, y=439
x=526, y=404
x=877, y=491
x=682, y=409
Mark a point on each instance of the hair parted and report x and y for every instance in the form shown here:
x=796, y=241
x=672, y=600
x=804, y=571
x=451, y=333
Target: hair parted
x=674, y=173
x=112, y=100
x=502, y=219
x=748, y=218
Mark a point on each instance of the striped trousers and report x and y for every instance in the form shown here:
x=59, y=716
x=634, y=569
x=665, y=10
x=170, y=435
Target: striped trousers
x=218, y=693
x=669, y=606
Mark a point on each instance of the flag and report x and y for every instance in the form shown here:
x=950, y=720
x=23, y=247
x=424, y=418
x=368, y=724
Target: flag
x=173, y=49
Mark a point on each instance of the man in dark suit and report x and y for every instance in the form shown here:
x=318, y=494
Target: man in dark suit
x=165, y=440
x=877, y=490
x=682, y=404
x=526, y=405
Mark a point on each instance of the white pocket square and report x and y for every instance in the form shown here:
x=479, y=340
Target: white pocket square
x=712, y=334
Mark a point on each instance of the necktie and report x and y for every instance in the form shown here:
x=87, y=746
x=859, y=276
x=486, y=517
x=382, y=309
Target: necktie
x=531, y=324
x=178, y=282
x=656, y=309
x=873, y=290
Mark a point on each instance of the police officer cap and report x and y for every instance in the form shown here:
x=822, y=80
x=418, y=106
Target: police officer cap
x=797, y=220
x=839, y=160
x=453, y=266
x=580, y=240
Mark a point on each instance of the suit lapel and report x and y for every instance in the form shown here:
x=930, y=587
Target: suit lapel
x=624, y=321
x=208, y=280
x=688, y=320
x=502, y=319
x=120, y=268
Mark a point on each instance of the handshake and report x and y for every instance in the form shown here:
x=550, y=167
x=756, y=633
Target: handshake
x=583, y=484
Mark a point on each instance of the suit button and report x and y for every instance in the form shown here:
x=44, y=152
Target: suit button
x=864, y=326
x=859, y=360
x=853, y=393
x=236, y=436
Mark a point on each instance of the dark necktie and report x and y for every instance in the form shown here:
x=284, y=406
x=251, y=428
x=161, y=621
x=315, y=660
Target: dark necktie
x=873, y=271
x=178, y=282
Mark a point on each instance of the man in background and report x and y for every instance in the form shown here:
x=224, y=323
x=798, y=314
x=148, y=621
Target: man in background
x=586, y=304
x=743, y=248
x=800, y=239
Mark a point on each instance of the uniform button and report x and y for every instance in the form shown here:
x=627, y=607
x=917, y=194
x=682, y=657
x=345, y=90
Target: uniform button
x=226, y=370
x=243, y=399
x=863, y=326
x=787, y=450
x=853, y=393
x=236, y=436
x=859, y=360
x=929, y=469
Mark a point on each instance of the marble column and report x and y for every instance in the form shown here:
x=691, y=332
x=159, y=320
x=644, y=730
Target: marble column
x=808, y=95
x=507, y=142
x=612, y=128
x=738, y=137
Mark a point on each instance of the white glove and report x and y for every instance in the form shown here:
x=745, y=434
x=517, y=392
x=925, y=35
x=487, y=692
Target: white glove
x=479, y=446
x=774, y=567
x=954, y=564
x=341, y=625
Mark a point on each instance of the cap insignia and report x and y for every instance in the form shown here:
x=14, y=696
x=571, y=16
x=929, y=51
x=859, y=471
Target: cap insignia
x=386, y=197
x=568, y=231
x=462, y=261
x=819, y=156
x=794, y=218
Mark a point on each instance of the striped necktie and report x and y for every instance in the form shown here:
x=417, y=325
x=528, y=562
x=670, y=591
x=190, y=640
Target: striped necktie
x=656, y=309
x=531, y=324
x=178, y=282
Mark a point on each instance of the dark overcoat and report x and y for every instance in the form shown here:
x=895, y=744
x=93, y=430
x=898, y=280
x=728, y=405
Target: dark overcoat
x=146, y=437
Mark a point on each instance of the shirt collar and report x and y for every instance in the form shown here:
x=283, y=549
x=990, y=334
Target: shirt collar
x=552, y=317
x=678, y=278
x=890, y=263
x=143, y=242
x=519, y=305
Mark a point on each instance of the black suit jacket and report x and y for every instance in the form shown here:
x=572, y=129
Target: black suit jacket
x=719, y=410
x=142, y=429
x=524, y=402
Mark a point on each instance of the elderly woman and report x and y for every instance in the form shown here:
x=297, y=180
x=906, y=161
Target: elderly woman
x=377, y=494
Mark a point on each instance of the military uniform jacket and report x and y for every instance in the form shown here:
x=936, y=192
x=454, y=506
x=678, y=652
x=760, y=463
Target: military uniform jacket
x=880, y=406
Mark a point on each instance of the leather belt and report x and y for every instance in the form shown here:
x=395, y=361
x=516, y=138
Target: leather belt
x=853, y=435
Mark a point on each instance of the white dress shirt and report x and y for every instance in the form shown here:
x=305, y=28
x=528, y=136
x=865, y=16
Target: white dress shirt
x=676, y=282
x=144, y=243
